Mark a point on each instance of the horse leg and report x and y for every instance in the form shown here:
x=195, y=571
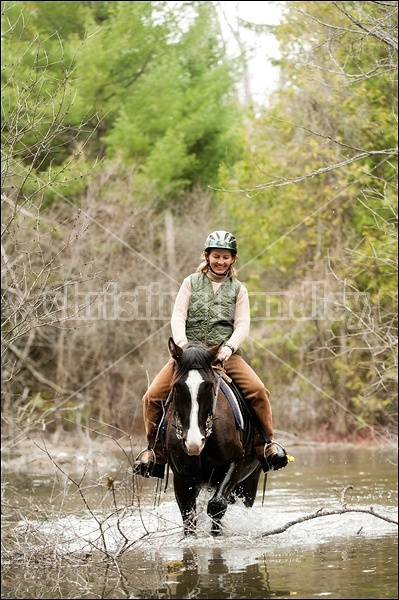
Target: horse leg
x=247, y=489
x=217, y=505
x=186, y=493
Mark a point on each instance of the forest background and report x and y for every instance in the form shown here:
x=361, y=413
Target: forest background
x=125, y=142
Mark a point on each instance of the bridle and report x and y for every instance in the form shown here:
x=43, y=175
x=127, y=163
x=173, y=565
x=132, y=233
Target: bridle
x=211, y=415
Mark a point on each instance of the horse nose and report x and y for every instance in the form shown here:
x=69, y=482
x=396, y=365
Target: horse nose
x=194, y=447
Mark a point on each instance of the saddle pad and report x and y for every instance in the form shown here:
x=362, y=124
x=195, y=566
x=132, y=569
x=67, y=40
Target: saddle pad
x=231, y=397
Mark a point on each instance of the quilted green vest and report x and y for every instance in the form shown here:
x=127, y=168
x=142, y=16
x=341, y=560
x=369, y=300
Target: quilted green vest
x=210, y=316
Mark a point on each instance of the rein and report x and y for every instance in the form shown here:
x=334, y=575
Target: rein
x=216, y=395
x=211, y=417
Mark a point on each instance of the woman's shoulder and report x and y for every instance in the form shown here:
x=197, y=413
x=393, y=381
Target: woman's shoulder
x=191, y=279
x=237, y=282
x=242, y=288
x=198, y=276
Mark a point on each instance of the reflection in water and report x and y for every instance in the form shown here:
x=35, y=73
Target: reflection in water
x=352, y=569
x=217, y=581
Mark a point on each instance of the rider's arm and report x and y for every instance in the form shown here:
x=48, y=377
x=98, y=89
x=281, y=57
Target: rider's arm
x=242, y=319
x=180, y=311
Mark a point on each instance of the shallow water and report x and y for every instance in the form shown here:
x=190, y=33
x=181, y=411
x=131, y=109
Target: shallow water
x=138, y=551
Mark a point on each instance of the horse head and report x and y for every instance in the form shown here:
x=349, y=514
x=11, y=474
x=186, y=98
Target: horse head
x=194, y=393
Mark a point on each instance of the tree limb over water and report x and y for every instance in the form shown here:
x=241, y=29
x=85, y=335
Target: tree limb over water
x=322, y=512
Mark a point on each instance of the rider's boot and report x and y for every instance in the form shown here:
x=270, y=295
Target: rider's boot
x=150, y=462
x=271, y=454
x=147, y=464
x=274, y=457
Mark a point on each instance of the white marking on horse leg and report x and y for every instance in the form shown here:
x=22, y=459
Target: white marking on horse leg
x=195, y=440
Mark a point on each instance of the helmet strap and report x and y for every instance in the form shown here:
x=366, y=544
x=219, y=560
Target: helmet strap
x=217, y=274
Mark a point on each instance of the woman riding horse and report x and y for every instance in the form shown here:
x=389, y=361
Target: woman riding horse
x=212, y=306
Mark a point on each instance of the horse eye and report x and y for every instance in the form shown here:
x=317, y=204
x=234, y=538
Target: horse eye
x=207, y=385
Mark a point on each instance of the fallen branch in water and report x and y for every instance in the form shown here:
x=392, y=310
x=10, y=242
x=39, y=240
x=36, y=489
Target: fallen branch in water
x=322, y=512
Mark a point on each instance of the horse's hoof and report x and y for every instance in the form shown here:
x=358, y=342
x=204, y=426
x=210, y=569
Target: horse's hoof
x=189, y=529
x=216, y=529
x=217, y=507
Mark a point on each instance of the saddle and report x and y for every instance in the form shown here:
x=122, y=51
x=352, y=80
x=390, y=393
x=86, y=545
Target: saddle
x=241, y=410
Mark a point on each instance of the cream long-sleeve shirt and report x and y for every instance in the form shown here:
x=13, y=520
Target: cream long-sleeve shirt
x=242, y=316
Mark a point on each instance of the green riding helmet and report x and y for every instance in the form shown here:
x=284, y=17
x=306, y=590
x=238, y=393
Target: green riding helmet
x=221, y=239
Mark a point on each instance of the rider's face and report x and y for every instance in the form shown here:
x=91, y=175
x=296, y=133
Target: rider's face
x=220, y=260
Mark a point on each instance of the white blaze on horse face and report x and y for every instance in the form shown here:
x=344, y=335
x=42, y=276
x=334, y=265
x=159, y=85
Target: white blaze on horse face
x=195, y=440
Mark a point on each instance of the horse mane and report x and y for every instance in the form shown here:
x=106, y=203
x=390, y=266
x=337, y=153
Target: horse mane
x=195, y=356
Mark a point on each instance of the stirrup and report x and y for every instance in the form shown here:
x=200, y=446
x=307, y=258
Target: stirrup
x=275, y=460
x=148, y=468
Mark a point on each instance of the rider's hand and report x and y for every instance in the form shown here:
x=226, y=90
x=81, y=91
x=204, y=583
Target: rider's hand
x=224, y=353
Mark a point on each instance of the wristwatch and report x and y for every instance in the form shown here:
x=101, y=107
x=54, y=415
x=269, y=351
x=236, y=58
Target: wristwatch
x=231, y=347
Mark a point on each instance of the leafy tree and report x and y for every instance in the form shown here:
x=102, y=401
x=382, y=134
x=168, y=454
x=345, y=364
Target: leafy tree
x=70, y=229
x=322, y=174
x=152, y=82
x=34, y=110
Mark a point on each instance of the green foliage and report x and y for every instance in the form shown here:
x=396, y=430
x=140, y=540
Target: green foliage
x=130, y=107
x=317, y=192
x=151, y=82
x=35, y=105
x=178, y=120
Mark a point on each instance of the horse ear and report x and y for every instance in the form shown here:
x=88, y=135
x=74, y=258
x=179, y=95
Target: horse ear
x=174, y=349
x=214, y=351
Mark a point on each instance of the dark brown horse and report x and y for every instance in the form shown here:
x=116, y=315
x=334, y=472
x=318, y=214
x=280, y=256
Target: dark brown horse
x=204, y=445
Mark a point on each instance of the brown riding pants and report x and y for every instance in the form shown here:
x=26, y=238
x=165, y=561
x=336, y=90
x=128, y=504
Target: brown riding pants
x=236, y=368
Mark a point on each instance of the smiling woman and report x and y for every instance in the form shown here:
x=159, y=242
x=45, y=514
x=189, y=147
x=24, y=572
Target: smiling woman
x=220, y=252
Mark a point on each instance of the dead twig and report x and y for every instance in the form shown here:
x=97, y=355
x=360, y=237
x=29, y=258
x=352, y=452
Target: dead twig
x=322, y=512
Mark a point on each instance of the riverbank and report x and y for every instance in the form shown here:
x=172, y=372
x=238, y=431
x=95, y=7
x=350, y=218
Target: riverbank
x=39, y=454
